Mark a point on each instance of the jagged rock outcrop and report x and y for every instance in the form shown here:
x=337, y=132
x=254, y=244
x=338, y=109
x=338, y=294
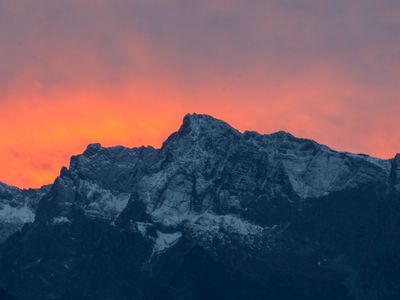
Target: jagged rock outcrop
x=17, y=207
x=395, y=172
x=213, y=214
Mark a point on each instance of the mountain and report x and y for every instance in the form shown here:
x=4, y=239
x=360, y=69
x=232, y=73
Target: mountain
x=17, y=207
x=213, y=214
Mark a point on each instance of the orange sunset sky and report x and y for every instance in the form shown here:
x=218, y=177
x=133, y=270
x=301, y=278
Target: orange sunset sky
x=126, y=72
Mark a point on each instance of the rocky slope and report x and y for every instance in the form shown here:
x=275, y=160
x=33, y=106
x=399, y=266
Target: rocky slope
x=17, y=207
x=213, y=214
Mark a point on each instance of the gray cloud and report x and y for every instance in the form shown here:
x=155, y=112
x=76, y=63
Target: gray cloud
x=193, y=38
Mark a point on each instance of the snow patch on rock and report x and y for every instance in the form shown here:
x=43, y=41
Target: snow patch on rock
x=209, y=226
x=21, y=214
x=142, y=227
x=165, y=241
x=102, y=203
x=61, y=220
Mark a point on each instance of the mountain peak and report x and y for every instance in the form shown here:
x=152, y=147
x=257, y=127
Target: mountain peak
x=194, y=116
x=201, y=123
x=92, y=149
x=204, y=121
x=195, y=127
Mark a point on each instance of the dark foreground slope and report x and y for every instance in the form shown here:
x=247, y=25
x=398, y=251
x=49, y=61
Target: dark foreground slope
x=5, y=296
x=213, y=214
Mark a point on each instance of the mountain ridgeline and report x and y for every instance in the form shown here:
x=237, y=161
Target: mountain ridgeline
x=213, y=214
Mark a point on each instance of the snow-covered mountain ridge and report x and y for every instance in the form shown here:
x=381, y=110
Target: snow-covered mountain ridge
x=206, y=173
x=241, y=197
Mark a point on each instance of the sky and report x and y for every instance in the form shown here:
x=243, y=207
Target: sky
x=126, y=72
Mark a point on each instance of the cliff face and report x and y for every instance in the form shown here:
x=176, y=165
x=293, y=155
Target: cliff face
x=213, y=214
